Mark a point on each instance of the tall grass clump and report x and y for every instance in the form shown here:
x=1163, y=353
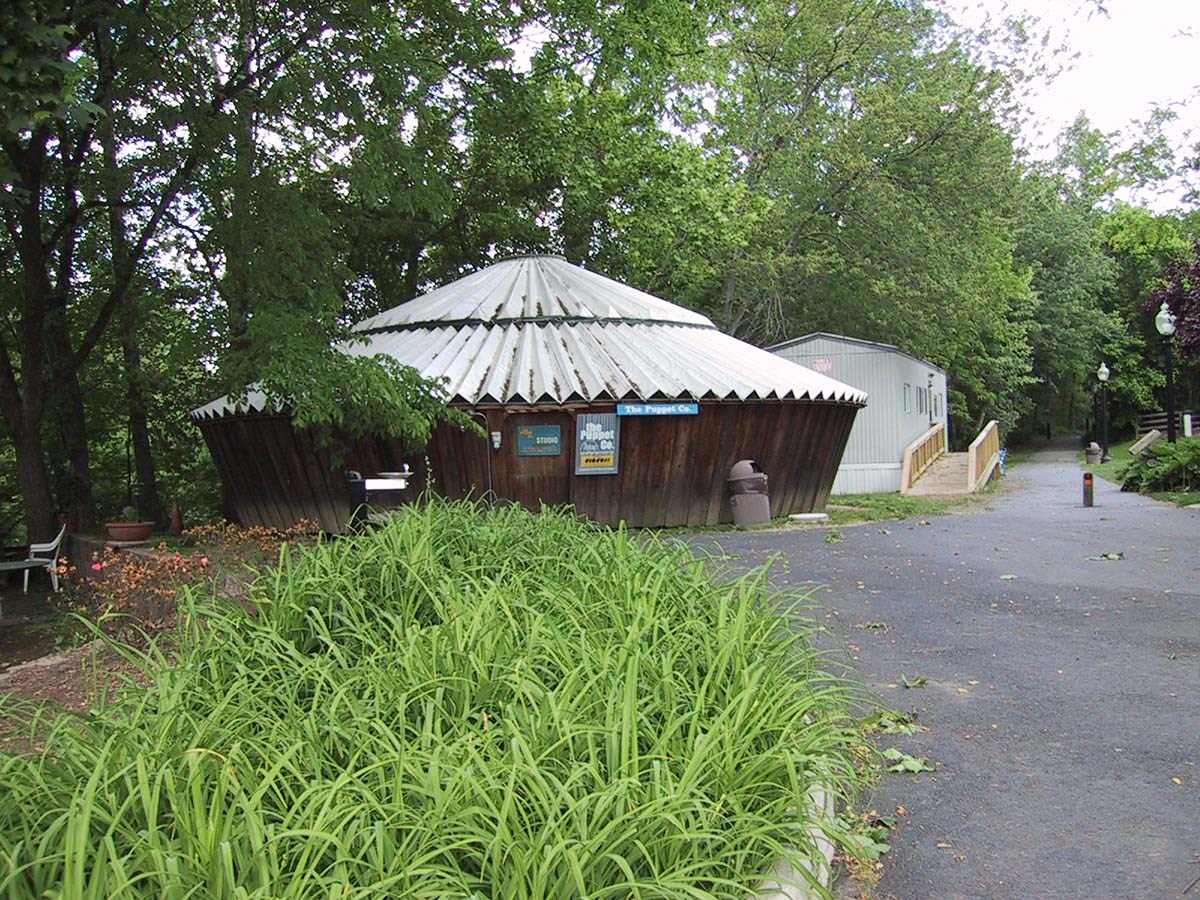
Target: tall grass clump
x=464, y=703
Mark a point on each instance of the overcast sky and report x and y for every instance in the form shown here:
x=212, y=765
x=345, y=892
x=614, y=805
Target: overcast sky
x=1132, y=55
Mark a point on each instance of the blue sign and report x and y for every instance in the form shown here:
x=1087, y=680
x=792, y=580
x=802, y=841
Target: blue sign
x=658, y=409
x=539, y=440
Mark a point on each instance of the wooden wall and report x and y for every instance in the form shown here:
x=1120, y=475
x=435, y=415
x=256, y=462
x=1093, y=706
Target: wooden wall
x=672, y=468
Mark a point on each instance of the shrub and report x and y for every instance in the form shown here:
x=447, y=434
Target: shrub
x=134, y=592
x=1164, y=467
x=459, y=704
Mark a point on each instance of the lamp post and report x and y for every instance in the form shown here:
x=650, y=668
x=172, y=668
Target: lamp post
x=1164, y=323
x=1102, y=373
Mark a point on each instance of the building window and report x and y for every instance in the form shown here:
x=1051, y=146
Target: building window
x=908, y=398
x=921, y=403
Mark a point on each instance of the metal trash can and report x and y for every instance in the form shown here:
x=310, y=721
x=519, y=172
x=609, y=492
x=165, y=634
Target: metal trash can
x=1093, y=453
x=748, y=493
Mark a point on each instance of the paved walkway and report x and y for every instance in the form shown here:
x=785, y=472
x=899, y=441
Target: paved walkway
x=1062, y=695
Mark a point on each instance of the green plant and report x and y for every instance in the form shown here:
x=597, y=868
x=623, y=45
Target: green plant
x=461, y=703
x=868, y=836
x=887, y=721
x=1164, y=467
x=903, y=762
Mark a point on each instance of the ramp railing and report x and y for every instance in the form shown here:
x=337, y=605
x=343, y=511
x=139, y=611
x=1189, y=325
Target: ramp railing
x=920, y=455
x=983, y=456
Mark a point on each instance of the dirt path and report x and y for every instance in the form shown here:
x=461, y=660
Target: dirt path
x=1062, y=689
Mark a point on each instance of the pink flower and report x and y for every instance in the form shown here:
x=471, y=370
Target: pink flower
x=204, y=560
x=97, y=567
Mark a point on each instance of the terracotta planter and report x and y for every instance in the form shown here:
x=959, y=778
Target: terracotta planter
x=129, y=531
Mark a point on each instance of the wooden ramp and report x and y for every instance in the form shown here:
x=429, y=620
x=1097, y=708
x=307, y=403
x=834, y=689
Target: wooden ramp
x=945, y=477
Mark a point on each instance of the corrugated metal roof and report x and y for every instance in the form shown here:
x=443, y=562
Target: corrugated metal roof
x=870, y=346
x=529, y=288
x=560, y=334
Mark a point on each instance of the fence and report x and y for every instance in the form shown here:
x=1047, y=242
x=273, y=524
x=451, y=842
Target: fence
x=1158, y=420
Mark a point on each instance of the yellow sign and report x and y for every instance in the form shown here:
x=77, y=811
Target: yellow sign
x=597, y=461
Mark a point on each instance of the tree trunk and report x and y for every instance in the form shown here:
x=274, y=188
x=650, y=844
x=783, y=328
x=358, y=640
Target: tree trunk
x=80, y=502
x=40, y=520
x=148, y=502
x=238, y=253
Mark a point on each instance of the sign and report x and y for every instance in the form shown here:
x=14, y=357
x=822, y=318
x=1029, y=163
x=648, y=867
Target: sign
x=539, y=440
x=597, y=443
x=658, y=409
x=822, y=364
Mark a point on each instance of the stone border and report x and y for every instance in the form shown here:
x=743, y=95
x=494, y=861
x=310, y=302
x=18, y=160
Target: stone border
x=785, y=881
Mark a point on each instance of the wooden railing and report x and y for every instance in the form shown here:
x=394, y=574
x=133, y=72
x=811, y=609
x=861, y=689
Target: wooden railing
x=983, y=456
x=920, y=454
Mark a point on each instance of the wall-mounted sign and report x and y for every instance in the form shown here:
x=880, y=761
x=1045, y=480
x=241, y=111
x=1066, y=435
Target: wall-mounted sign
x=822, y=364
x=658, y=409
x=539, y=440
x=597, y=443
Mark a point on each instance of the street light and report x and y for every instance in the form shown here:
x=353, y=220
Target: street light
x=1164, y=322
x=1102, y=373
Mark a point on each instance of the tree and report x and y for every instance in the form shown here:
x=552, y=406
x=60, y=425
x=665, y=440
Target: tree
x=118, y=113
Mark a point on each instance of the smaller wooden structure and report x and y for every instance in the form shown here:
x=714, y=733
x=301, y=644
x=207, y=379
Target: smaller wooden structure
x=908, y=399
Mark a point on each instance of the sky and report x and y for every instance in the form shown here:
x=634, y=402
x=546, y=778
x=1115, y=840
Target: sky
x=1132, y=54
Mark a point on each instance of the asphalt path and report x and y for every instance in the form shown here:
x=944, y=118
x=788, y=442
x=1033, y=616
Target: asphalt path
x=1062, y=688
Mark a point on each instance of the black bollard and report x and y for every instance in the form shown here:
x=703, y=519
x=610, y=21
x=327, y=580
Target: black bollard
x=1087, y=489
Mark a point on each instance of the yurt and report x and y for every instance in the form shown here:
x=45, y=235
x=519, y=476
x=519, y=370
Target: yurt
x=590, y=393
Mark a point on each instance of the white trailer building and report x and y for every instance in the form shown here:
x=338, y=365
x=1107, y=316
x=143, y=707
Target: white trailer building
x=906, y=396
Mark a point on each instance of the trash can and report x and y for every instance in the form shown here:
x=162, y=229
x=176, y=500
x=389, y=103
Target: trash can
x=1093, y=453
x=748, y=493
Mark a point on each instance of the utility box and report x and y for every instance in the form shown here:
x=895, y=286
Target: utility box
x=748, y=493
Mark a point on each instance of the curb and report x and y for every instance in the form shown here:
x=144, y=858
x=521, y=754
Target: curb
x=786, y=881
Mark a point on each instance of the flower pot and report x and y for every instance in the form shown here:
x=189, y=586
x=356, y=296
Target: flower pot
x=129, y=531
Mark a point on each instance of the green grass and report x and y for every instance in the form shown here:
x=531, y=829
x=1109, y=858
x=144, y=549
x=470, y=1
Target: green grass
x=1110, y=471
x=1179, y=498
x=1020, y=455
x=852, y=509
x=461, y=704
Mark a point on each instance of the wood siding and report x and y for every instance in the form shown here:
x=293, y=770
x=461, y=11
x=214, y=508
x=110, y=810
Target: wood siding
x=672, y=468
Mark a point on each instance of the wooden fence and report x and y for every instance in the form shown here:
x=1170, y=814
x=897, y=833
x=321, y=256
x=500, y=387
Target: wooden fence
x=1158, y=420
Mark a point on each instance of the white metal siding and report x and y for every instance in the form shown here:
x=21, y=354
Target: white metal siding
x=883, y=429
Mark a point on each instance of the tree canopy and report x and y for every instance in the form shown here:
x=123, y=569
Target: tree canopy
x=199, y=196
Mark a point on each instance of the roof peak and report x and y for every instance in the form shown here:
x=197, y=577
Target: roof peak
x=531, y=288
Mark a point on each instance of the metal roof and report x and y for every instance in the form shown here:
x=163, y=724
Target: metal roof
x=532, y=288
x=540, y=330
x=872, y=346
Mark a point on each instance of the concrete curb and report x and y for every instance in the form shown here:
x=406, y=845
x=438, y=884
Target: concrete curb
x=785, y=881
